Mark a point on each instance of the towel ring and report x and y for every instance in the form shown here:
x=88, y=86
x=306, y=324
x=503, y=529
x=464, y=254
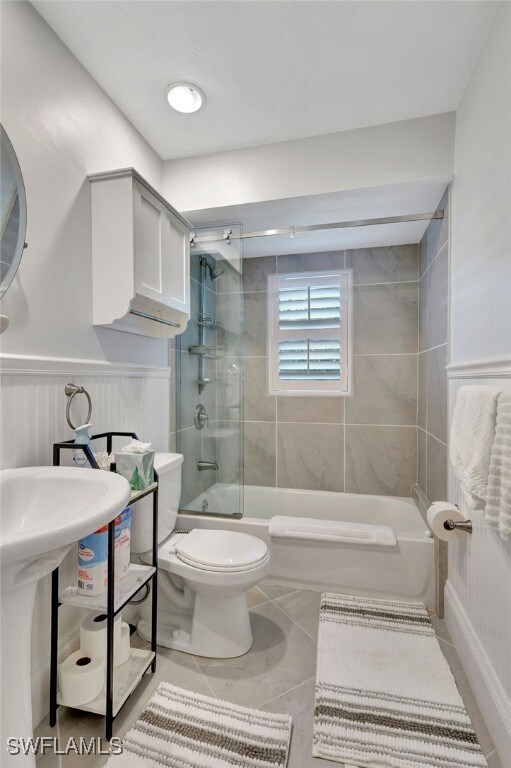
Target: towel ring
x=71, y=390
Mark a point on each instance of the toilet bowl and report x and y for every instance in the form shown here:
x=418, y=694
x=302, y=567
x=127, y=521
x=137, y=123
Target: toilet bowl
x=203, y=576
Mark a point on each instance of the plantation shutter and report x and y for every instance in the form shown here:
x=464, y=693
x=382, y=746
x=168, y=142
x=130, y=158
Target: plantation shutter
x=308, y=333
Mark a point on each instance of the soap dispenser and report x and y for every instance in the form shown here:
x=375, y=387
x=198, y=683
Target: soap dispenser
x=82, y=437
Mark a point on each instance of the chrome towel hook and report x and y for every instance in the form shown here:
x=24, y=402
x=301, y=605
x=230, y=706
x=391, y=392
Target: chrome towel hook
x=71, y=390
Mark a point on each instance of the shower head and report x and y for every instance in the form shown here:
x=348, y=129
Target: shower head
x=215, y=272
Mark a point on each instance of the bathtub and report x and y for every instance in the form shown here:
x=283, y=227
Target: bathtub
x=403, y=571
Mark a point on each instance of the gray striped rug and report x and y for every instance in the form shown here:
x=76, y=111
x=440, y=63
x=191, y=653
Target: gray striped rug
x=385, y=695
x=181, y=729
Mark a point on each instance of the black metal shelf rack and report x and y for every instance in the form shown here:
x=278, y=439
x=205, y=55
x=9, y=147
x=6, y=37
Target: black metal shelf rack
x=113, y=607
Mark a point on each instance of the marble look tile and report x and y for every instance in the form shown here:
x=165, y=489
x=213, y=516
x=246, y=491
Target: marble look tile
x=439, y=229
x=438, y=296
x=381, y=460
x=255, y=272
x=437, y=392
x=437, y=470
x=422, y=405
x=254, y=319
x=423, y=313
x=303, y=608
x=310, y=456
x=275, y=590
x=258, y=405
x=423, y=252
x=386, y=318
x=260, y=453
x=493, y=760
x=256, y=596
x=422, y=459
x=463, y=685
x=299, y=703
x=388, y=264
x=190, y=445
x=310, y=262
x=190, y=335
x=384, y=390
x=327, y=410
x=282, y=656
x=229, y=453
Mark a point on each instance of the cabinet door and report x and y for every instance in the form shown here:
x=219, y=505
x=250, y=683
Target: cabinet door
x=175, y=262
x=162, y=255
x=148, y=224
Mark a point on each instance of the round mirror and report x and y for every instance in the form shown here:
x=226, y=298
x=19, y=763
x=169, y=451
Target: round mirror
x=13, y=214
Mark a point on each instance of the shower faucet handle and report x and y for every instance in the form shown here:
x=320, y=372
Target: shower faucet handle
x=200, y=418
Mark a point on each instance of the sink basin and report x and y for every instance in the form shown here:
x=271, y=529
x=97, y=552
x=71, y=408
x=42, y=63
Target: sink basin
x=44, y=511
x=44, y=508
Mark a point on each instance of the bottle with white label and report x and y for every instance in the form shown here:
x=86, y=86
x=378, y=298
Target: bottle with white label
x=82, y=437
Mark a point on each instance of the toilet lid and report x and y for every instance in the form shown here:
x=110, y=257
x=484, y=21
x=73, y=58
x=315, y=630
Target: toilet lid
x=224, y=550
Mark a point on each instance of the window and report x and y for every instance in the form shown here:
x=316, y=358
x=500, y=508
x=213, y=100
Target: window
x=309, y=333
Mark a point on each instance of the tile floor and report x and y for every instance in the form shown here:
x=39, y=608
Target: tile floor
x=277, y=675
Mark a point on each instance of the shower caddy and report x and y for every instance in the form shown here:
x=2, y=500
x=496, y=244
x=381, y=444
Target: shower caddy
x=114, y=695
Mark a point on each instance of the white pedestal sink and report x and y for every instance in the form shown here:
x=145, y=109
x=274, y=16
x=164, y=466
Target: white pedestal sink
x=44, y=510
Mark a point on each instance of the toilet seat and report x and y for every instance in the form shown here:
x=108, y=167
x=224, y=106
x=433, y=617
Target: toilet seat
x=221, y=551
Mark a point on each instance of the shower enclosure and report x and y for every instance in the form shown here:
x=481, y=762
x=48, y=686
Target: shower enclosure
x=209, y=397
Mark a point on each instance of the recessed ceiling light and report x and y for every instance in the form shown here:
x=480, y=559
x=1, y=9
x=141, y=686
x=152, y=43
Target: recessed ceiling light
x=185, y=97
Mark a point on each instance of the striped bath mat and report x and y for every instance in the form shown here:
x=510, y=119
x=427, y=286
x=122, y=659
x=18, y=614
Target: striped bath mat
x=385, y=695
x=181, y=729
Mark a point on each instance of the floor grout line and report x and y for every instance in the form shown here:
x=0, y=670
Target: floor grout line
x=274, y=698
x=314, y=639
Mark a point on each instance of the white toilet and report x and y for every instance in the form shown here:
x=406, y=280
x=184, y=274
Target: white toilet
x=203, y=575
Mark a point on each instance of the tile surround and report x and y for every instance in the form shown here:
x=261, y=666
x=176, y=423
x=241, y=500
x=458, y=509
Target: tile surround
x=297, y=432
x=310, y=456
x=381, y=460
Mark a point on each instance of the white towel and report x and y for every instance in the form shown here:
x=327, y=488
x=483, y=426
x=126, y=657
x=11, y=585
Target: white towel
x=472, y=433
x=498, y=502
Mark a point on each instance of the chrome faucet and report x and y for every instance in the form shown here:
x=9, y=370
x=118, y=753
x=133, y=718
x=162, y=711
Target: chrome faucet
x=203, y=465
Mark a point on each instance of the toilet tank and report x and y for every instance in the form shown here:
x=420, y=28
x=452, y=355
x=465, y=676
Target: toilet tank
x=168, y=466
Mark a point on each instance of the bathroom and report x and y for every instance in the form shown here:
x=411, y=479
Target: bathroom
x=356, y=151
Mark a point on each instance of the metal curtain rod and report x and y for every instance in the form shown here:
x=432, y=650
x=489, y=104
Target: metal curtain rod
x=291, y=231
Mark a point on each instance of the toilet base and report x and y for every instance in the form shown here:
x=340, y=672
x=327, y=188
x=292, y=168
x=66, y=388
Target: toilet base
x=220, y=628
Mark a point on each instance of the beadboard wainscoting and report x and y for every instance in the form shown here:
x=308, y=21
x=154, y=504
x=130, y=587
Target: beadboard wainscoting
x=478, y=591
x=33, y=416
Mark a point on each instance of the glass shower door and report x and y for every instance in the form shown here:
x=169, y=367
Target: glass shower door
x=209, y=379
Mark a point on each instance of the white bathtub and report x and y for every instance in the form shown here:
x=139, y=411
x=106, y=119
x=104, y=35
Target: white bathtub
x=405, y=571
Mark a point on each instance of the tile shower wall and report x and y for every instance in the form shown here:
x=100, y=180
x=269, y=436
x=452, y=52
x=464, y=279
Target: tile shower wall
x=433, y=357
x=432, y=418
x=365, y=443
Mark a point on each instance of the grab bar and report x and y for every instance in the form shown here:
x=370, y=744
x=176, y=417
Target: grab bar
x=156, y=319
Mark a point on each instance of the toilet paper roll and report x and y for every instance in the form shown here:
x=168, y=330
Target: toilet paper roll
x=438, y=513
x=81, y=678
x=122, y=649
x=93, y=633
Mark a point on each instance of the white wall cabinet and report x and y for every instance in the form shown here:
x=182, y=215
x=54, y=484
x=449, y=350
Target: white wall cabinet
x=140, y=257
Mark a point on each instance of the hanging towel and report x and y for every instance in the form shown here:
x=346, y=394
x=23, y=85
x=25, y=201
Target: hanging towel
x=472, y=434
x=498, y=502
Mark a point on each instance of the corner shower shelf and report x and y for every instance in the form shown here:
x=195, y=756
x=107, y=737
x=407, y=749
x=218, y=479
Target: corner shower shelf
x=127, y=677
x=120, y=681
x=125, y=589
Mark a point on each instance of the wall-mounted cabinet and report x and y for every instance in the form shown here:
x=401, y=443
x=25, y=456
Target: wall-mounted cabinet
x=140, y=257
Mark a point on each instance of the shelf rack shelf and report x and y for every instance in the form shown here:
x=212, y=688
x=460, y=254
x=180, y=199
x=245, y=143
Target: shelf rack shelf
x=118, y=687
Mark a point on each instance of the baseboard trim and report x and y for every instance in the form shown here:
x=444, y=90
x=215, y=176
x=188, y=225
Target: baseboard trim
x=27, y=365
x=40, y=675
x=493, y=701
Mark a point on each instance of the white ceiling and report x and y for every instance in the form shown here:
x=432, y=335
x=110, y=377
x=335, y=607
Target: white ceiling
x=273, y=71
x=392, y=200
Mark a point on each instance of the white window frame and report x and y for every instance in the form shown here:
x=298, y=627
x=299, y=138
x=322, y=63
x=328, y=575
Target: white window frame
x=276, y=386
